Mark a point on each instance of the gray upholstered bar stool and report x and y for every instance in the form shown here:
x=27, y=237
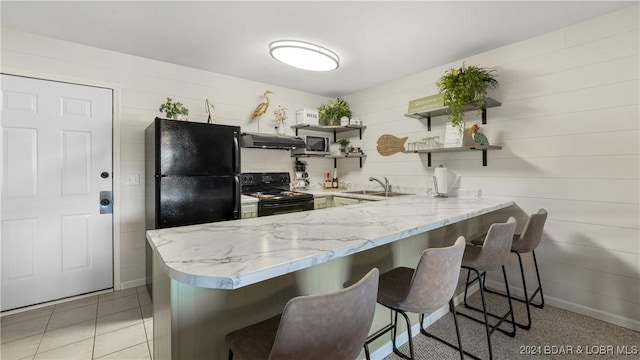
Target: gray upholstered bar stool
x=313, y=327
x=429, y=287
x=523, y=243
x=492, y=255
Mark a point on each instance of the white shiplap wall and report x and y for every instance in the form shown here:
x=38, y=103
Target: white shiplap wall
x=569, y=127
x=141, y=85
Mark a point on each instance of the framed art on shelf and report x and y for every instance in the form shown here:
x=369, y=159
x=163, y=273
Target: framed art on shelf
x=452, y=136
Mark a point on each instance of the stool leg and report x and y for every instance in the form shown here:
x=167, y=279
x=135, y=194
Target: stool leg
x=513, y=319
x=406, y=318
x=526, y=294
x=394, y=334
x=455, y=321
x=484, y=311
x=466, y=288
x=528, y=300
x=541, y=305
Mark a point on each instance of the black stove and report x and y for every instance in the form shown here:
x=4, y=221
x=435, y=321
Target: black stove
x=274, y=194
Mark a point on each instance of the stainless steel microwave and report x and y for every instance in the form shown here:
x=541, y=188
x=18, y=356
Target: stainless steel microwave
x=314, y=145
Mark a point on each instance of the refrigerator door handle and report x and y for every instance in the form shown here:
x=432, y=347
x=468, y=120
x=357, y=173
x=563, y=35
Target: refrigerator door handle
x=236, y=152
x=236, y=208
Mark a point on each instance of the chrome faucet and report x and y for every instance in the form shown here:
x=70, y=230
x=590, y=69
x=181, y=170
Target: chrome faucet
x=386, y=186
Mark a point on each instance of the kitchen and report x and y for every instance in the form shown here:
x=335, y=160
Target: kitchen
x=556, y=88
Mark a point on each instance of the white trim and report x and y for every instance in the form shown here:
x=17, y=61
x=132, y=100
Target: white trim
x=133, y=283
x=576, y=308
x=54, y=302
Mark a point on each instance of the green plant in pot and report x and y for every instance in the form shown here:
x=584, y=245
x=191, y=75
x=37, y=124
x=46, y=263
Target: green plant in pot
x=343, y=144
x=466, y=85
x=174, y=110
x=331, y=113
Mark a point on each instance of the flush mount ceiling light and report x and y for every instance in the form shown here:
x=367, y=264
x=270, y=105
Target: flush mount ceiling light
x=304, y=55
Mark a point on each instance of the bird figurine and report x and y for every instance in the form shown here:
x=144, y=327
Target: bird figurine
x=262, y=107
x=210, y=110
x=478, y=137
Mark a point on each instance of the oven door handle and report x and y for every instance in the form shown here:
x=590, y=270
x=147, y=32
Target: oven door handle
x=287, y=204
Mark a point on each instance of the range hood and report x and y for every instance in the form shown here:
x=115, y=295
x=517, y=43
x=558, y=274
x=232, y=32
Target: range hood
x=268, y=141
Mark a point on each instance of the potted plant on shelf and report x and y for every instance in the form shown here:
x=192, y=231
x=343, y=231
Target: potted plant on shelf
x=174, y=110
x=331, y=113
x=343, y=145
x=466, y=85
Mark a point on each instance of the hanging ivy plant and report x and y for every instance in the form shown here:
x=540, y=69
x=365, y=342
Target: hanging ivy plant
x=174, y=110
x=466, y=85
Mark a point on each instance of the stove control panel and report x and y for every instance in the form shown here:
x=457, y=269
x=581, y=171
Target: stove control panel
x=254, y=179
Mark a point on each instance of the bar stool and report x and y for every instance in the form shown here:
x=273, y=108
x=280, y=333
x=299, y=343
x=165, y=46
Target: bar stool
x=314, y=327
x=490, y=256
x=523, y=243
x=430, y=286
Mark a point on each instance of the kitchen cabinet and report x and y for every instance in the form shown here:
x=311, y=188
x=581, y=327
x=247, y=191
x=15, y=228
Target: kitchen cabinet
x=343, y=201
x=335, y=130
x=249, y=211
x=319, y=203
x=428, y=114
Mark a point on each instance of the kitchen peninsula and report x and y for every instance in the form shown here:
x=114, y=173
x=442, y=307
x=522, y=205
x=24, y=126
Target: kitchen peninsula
x=213, y=278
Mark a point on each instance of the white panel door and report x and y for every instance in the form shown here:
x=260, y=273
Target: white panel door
x=56, y=159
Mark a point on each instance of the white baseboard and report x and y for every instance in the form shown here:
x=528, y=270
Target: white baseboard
x=53, y=302
x=576, y=308
x=387, y=349
x=132, y=283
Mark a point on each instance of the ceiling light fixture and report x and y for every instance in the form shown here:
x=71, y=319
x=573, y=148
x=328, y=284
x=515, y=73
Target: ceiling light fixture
x=304, y=55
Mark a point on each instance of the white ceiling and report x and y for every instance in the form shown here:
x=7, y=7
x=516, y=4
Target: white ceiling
x=376, y=41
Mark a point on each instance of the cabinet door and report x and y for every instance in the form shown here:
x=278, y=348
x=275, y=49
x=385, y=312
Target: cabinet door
x=249, y=211
x=319, y=203
x=340, y=201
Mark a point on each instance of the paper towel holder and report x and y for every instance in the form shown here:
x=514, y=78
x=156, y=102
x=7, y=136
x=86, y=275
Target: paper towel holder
x=435, y=185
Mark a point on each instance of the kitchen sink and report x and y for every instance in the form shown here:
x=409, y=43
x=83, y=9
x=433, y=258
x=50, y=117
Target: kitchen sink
x=363, y=192
x=377, y=193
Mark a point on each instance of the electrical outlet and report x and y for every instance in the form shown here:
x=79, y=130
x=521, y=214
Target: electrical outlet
x=133, y=179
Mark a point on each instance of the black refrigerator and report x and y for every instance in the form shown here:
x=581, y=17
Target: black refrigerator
x=192, y=174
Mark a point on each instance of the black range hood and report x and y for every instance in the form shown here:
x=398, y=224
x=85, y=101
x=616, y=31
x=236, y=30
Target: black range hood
x=268, y=141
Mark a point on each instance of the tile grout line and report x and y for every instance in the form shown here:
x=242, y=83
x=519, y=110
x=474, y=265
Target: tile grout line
x=143, y=325
x=95, y=330
x=43, y=332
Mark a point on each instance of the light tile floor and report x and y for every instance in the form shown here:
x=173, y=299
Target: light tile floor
x=117, y=325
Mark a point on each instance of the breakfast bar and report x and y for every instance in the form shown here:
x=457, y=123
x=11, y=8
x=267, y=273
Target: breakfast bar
x=213, y=278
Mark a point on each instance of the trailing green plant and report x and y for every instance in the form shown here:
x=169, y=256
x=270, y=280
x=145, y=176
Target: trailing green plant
x=343, y=142
x=331, y=113
x=466, y=85
x=172, y=109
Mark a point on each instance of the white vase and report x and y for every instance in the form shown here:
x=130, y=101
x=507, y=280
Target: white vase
x=280, y=129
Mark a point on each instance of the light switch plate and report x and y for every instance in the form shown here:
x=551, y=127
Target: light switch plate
x=133, y=179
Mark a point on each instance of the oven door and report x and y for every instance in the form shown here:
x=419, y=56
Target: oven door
x=280, y=207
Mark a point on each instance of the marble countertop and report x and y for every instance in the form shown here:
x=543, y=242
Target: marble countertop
x=237, y=253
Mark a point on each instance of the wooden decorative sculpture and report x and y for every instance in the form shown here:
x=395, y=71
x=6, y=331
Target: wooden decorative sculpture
x=389, y=145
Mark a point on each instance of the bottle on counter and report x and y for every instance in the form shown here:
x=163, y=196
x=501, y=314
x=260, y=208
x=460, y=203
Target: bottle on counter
x=328, y=184
x=334, y=183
